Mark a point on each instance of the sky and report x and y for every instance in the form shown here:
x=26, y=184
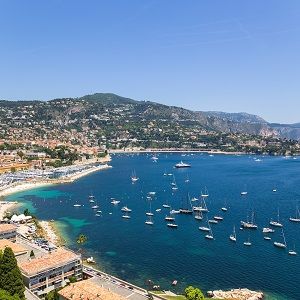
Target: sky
x=233, y=56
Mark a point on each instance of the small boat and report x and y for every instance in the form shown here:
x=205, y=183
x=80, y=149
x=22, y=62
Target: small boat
x=224, y=209
x=169, y=218
x=166, y=206
x=170, y=174
x=97, y=215
x=187, y=208
x=280, y=244
x=187, y=180
x=268, y=230
x=158, y=210
x=244, y=193
x=126, y=209
x=218, y=218
x=182, y=165
x=198, y=215
x=274, y=190
x=126, y=217
x=210, y=235
x=172, y=225
x=292, y=252
x=174, y=282
x=267, y=238
x=152, y=193
x=91, y=196
x=173, y=211
x=296, y=219
x=99, y=211
x=194, y=199
x=91, y=201
x=149, y=213
x=154, y=158
x=232, y=237
x=95, y=206
x=77, y=205
x=248, y=243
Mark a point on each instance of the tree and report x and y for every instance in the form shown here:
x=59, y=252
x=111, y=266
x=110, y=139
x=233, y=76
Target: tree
x=26, y=212
x=10, y=275
x=72, y=279
x=4, y=295
x=192, y=293
x=53, y=295
x=32, y=254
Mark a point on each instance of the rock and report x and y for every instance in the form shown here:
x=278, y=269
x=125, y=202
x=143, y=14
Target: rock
x=238, y=294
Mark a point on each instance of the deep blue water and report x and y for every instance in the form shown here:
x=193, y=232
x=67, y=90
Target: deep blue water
x=137, y=252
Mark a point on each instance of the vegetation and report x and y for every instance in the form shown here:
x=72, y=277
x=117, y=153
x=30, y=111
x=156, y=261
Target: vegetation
x=4, y=295
x=192, y=293
x=73, y=279
x=81, y=239
x=10, y=275
x=53, y=295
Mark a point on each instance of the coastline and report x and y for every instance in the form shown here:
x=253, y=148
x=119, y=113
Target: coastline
x=6, y=206
x=34, y=184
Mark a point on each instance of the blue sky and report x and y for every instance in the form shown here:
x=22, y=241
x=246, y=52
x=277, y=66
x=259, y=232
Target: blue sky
x=203, y=54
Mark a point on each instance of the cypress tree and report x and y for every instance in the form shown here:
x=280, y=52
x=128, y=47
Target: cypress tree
x=11, y=279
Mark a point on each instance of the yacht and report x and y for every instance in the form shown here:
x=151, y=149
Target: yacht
x=232, y=237
x=268, y=230
x=218, y=218
x=182, y=165
x=297, y=216
x=126, y=209
x=249, y=224
x=280, y=244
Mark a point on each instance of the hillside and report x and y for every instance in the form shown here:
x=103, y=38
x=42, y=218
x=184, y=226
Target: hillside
x=112, y=121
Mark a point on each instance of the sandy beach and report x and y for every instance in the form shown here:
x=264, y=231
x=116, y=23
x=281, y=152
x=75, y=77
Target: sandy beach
x=51, y=233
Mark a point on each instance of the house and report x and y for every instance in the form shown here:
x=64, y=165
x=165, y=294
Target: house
x=8, y=232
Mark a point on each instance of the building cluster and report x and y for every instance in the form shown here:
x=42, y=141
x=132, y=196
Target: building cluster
x=43, y=271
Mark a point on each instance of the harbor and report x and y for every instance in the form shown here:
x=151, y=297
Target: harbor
x=184, y=253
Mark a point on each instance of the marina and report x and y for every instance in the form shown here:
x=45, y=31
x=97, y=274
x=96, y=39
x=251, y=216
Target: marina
x=188, y=241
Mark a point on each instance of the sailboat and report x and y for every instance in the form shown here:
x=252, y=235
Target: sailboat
x=170, y=217
x=205, y=194
x=154, y=158
x=91, y=196
x=203, y=206
x=187, y=209
x=125, y=209
x=173, y=184
x=249, y=224
x=244, y=192
x=126, y=216
x=198, y=215
x=134, y=178
x=280, y=244
x=276, y=223
x=248, y=243
x=210, y=235
x=187, y=180
x=293, y=252
x=114, y=201
x=204, y=228
x=224, y=208
x=166, y=205
x=150, y=213
x=149, y=221
x=232, y=237
x=297, y=216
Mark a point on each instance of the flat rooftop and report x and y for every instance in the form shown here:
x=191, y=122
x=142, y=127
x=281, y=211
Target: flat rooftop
x=88, y=290
x=56, y=258
x=16, y=248
x=7, y=228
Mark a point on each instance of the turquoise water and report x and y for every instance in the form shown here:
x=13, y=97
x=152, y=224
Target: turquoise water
x=137, y=252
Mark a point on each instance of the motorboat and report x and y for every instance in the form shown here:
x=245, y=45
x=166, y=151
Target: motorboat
x=182, y=165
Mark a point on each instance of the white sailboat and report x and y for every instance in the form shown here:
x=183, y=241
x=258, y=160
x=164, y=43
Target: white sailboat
x=205, y=228
x=244, y=192
x=210, y=235
x=126, y=216
x=249, y=224
x=248, y=242
x=170, y=217
x=149, y=213
x=134, y=178
x=126, y=209
x=297, y=216
x=232, y=237
x=276, y=223
x=187, y=180
x=198, y=215
x=205, y=194
x=149, y=221
x=280, y=244
x=293, y=251
x=114, y=201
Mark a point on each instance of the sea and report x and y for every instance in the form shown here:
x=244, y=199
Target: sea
x=136, y=252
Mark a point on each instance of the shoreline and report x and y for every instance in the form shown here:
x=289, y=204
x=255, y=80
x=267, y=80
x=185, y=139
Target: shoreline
x=6, y=206
x=34, y=184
